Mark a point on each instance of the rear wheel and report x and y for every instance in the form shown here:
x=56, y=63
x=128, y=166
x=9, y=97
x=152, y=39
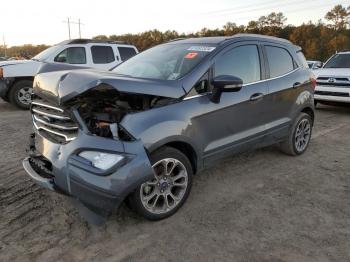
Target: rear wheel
x=166, y=192
x=20, y=94
x=299, y=136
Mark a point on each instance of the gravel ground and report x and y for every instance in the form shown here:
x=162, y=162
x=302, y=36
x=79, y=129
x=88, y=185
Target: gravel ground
x=258, y=206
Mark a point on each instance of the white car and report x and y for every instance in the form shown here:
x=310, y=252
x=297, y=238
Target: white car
x=16, y=77
x=333, y=79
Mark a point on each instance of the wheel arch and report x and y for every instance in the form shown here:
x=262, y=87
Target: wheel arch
x=308, y=110
x=184, y=146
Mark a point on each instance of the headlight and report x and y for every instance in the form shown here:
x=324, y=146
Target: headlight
x=101, y=160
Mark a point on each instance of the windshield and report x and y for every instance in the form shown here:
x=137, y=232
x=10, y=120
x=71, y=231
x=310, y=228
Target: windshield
x=339, y=61
x=46, y=53
x=164, y=62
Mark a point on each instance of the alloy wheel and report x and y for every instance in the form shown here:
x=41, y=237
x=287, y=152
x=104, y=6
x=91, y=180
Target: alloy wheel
x=302, y=135
x=166, y=190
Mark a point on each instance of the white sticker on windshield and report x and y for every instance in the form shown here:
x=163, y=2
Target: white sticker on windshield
x=201, y=48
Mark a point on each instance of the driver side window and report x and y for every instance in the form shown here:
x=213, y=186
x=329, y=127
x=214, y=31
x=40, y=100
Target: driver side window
x=242, y=62
x=72, y=55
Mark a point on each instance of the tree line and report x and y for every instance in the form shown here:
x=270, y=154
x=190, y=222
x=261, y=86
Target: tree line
x=319, y=40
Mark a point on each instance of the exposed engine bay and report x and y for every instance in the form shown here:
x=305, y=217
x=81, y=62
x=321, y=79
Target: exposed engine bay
x=103, y=109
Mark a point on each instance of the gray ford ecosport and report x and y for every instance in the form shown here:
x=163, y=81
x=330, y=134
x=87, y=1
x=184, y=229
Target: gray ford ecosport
x=140, y=131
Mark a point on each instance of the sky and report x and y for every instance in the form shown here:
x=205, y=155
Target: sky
x=42, y=21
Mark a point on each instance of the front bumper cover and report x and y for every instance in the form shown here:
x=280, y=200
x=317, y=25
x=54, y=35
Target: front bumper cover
x=101, y=193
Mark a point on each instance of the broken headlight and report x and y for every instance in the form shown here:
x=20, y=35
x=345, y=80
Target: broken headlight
x=101, y=160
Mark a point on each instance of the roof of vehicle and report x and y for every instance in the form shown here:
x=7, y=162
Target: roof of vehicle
x=344, y=52
x=221, y=39
x=88, y=41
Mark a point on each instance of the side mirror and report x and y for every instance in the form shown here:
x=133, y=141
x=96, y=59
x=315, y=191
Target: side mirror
x=318, y=65
x=225, y=83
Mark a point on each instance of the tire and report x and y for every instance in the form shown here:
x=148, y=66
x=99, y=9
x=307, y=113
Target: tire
x=162, y=205
x=20, y=93
x=315, y=103
x=291, y=146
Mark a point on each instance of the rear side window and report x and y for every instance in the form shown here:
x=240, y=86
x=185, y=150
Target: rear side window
x=280, y=61
x=242, y=62
x=72, y=55
x=126, y=52
x=102, y=54
x=302, y=60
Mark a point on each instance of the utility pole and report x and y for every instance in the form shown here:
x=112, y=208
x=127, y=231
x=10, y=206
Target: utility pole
x=69, y=22
x=79, y=28
x=3, y=38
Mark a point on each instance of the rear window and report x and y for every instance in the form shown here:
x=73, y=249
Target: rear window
x=280, y=61
x=126, y=52
x=102, y=54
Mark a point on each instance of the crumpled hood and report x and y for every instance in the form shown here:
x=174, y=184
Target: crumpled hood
x=61, y=86
x=334, y=72
x=14, y=62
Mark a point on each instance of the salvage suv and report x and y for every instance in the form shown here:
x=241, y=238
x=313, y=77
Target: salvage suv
x=140, y=132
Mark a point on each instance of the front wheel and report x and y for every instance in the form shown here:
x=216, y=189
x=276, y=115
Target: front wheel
x=166, y=192
x=299, y=136
x=20, y=94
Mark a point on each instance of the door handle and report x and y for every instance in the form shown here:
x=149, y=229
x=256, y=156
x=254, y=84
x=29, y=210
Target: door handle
x=296, y=84
x=256, y=96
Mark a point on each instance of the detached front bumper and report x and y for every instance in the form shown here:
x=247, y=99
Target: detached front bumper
x=59, y=168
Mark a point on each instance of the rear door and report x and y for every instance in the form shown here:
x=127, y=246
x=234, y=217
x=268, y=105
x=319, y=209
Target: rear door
x=284, y=83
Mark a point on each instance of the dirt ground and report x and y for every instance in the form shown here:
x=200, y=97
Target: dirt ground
x=259, y=206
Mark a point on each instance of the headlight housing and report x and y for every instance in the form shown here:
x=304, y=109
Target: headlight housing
x=101, y=160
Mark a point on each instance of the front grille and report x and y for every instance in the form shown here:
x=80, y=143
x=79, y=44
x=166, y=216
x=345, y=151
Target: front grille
x=52, y=122
x=333, y=81
x=327, y=93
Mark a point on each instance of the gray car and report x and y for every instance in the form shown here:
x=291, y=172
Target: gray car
x=141, y=131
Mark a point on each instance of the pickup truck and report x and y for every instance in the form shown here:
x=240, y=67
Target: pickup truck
x=16, y=77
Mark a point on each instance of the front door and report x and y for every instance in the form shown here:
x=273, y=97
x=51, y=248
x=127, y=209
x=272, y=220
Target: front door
x=237, y=122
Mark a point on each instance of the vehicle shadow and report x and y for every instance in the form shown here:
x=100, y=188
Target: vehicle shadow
x=339, y=109
x=7, y=107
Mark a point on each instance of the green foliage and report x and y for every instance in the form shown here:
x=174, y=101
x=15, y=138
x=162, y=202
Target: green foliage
x=318, y=40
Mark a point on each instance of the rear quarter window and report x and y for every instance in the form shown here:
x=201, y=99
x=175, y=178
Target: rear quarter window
x=102, y=54
x=302, y=60
x=280, y=61
x=126, y=52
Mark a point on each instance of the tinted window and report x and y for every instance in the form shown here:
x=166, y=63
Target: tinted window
x=126, y=52
x=339, y=61
x=280, y=61
x=72, y=55
x=102, y=54
x=242, y=62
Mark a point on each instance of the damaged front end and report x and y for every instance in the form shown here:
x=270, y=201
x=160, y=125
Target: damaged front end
x=79, y=147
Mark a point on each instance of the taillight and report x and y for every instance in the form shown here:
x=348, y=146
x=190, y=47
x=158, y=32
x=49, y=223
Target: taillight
x=313, y=81
x=1, y=72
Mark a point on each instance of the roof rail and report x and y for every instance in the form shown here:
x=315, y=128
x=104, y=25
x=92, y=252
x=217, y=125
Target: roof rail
x=176, y=39
x=87, y=41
